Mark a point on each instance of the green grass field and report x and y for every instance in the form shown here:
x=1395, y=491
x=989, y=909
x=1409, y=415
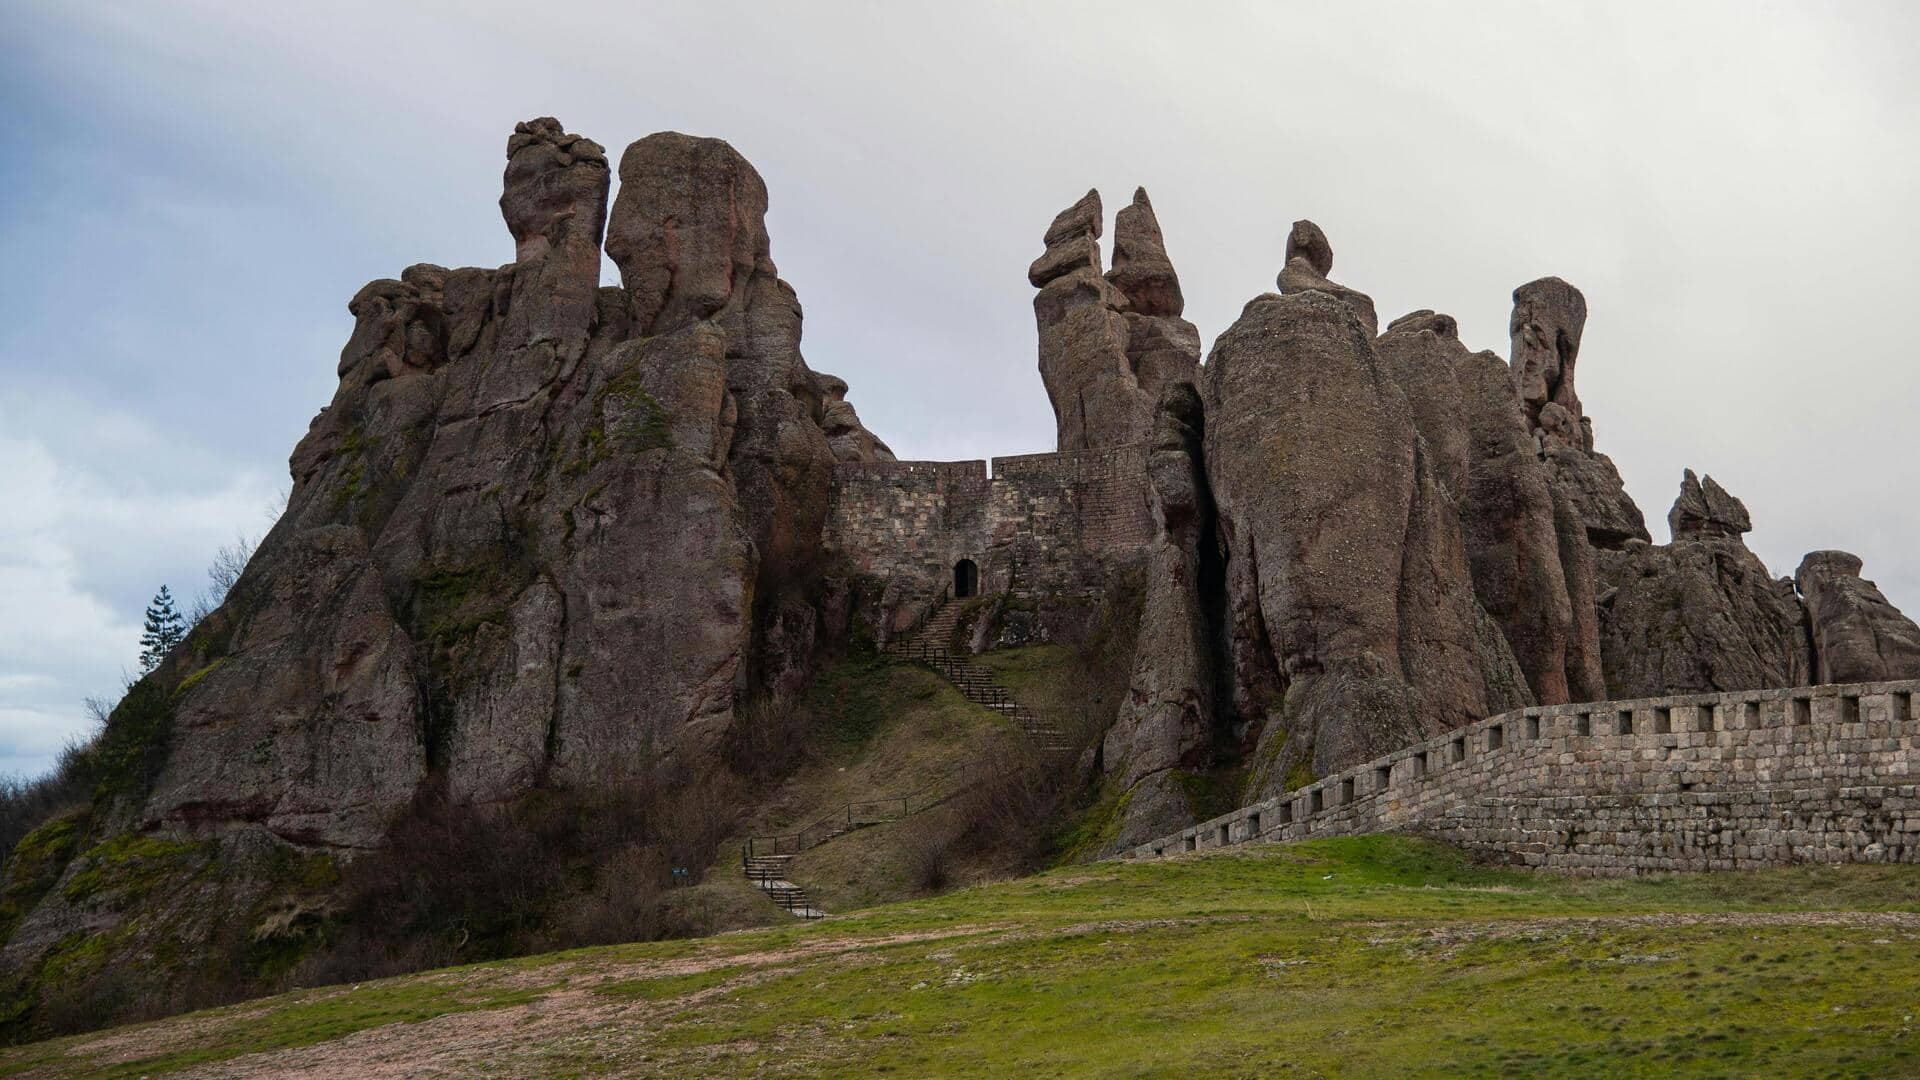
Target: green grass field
x=1361, y=957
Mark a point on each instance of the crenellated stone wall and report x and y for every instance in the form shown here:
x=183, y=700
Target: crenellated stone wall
x=1040, y=524
x=1817, y=774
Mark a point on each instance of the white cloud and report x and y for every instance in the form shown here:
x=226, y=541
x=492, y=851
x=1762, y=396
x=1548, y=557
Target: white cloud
x=80, y=549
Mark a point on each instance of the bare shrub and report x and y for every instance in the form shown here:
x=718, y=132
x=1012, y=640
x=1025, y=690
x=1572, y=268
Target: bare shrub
x=767, y=738
x=563, y=868
x=927, y=852
x=27, y=804
x=1014, y=796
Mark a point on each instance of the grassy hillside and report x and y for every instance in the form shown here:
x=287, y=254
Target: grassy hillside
x=1371, y=956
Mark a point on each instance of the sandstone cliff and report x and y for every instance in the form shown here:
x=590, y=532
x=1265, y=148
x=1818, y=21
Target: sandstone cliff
x=546, y=534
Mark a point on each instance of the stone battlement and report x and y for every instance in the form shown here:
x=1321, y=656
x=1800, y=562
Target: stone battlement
x=1689, y=782
x=1056, y=523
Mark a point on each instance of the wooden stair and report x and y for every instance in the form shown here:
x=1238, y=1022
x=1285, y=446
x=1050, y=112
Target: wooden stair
x=768, y=873
x=932, y=644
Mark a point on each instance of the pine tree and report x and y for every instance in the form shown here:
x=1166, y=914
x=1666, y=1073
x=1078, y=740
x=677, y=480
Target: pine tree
x=163, y=631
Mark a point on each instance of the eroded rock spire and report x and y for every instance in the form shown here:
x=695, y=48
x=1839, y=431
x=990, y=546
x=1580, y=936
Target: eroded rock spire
x=1309, y=261
x=1108, y=344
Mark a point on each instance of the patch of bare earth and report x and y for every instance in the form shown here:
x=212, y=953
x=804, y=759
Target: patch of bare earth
x=572, y=1024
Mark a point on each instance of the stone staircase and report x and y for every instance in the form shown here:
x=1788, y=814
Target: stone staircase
x=768, y=873
x=931, y=643
x=767, y=861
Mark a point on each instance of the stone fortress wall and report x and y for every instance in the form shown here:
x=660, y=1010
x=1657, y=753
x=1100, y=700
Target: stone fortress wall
x=1040, y=523
x=1819, y=774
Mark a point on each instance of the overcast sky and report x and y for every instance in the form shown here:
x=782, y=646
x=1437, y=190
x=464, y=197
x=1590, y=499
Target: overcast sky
x=193, y=190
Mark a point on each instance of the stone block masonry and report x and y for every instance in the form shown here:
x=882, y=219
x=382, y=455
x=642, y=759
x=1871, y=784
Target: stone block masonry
x=1822, y=774
x=1042, y=523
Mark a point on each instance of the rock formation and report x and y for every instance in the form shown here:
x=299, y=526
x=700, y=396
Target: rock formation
x=1466, y=412
x=1857, y=635
x=1701, y=613
x=1109, y=344
x=1309, y=261
x=1548, y=318
x=546, y=533
x=846, y=436
x=1166, y=721
x=550, y=535
x=1347, y=572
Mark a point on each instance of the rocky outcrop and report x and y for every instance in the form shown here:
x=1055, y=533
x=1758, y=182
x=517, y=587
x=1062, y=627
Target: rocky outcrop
x=1466, y=413
x=1166, y=722
x=1347, y=573
x=547, y=534
x=1857, y=635
x=1109, y=344
x=1548, y=318
x=1309, y=261
x=1701, y=613
x=1705, y=509
x=846, y=436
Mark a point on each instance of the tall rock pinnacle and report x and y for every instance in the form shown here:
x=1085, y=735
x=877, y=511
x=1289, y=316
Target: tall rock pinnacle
x=1544, y=330
x=1141, y=270
x=554, y=199
x=1109, y=344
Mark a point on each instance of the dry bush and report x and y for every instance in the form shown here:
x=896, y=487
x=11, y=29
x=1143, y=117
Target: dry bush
x=25, y=805
x=1014, y=797
x=457, y=883
x=768, y=737
x=927, y=852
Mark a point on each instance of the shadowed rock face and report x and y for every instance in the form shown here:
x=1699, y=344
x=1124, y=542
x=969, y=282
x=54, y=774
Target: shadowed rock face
x=1109, y=344
x=1347, y=574
x=1857, y=635
x=1701, y=613
x=1166, y=721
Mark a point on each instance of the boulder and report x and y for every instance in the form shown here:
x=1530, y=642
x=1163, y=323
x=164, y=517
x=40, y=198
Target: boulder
x=1309, y=261
x=1705, y=509
x=1858, y=636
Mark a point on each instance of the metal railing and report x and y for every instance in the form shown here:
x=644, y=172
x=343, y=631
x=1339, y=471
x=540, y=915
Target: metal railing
x=849, y=817
x=926, y=614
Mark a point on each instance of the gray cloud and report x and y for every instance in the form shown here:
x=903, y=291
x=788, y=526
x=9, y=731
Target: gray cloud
x=199, y=187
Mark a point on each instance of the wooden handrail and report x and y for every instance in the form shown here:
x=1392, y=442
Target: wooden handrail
x=849, y=816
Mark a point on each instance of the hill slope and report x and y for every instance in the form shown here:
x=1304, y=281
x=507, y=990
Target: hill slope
x=1371, y=956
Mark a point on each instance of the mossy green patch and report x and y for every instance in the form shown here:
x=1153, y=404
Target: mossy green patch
x=193, y=679
x=1208, y=794
x=124, y=868
x=627, y=418
x=35, y=865
x=1094, y=829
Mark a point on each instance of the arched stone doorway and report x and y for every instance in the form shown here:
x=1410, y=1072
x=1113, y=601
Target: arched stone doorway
x=966, y=578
